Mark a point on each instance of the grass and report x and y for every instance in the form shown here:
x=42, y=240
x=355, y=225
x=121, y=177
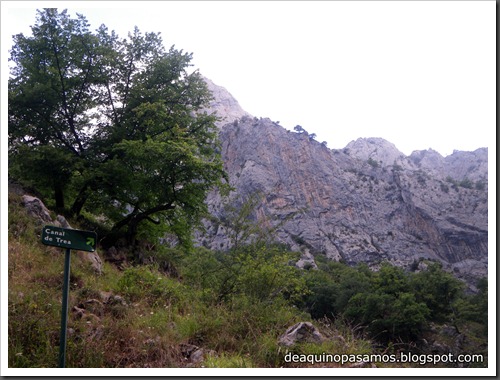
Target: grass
x=143, y=316
x=145, y=326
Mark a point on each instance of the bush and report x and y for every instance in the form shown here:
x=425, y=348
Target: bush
x=373, y=163
x=438, y=290
x=388, y=317
x=141, y=283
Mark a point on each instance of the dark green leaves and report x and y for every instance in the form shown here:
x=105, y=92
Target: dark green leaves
x=126, y=110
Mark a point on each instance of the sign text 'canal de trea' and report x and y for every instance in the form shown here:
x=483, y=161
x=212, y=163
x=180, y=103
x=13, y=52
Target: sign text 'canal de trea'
x=69, y=238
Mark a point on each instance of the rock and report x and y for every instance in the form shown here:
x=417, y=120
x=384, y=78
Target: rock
x=62, y=222
x=110, y=298
x=94, y=306
x=78, y=312
x=449, y=331
x=224, y=104
x=362, y=365
x=366, y=203
x=193, y=354
x=459, y=342
x=37, y=209
x=439, y=348
x=91, y=258
x=197, y=356
x=306, y=261
x=299, y=333
x=377, y=150
x=114, y=256
x=187, y=349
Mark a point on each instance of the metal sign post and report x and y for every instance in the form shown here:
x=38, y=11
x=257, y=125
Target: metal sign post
x=64, y=311
x=69, y=239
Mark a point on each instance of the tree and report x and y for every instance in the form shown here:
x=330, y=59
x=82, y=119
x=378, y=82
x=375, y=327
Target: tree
x=125, y=118
x=438, y=289
x=299, y=129
x=49, y=94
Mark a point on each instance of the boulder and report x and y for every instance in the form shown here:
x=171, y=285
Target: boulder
x=62, y=222
x=37, y=209
x=299, y=333
x=93, y=259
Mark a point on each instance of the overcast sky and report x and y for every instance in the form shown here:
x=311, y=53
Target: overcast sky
x=420, y=74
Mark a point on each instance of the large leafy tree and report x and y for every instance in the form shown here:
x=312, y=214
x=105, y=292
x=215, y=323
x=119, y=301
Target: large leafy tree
x=50, y=93
x=112, y=125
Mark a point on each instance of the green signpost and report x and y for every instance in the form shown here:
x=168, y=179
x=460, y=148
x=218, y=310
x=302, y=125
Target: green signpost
x=69, y=239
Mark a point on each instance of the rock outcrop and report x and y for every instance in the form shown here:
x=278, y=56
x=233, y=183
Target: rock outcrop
x=226, y=106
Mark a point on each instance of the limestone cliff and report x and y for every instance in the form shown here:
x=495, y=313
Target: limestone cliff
x=366, y=203
x=226, y=106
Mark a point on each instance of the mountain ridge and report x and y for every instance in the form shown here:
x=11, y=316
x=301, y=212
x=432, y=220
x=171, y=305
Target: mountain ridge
x=365, y=203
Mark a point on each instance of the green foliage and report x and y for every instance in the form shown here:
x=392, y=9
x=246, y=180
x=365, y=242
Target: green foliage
x=137, y=281
x=34, y=330
x=388, y=315
x=163, y=313
x=259, y=272
x=391, y=304
x=225, y=361
x=474, y=307
x=467, y=183
x=112, y=126
x=481, y=185
x=373, y=163
x=444, y=187
x=253, y=265
x=438, y=290
x=299, y=129
x=391, y=280
x=330, y=288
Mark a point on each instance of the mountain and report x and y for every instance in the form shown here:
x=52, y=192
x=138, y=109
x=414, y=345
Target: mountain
x=365, y=203
x=226, y=106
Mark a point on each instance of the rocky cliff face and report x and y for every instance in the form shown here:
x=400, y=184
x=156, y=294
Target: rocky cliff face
x=365, y=203
x=226, y=106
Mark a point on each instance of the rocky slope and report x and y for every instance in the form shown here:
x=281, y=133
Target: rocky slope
x=365, y=203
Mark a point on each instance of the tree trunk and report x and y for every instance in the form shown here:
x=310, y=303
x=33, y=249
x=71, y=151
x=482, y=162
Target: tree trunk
x=80, y=200
x=132, y=220
x=59, y=196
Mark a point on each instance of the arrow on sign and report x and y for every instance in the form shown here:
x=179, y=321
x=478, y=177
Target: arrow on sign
x=90, y=241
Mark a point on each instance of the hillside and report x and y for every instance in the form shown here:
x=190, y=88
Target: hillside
x=365, y=203
x=174, y=309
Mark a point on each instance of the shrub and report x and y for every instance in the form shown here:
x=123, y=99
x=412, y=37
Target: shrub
x=141, y=283
x=467, y=183
x=373, y=163
x=438, y=290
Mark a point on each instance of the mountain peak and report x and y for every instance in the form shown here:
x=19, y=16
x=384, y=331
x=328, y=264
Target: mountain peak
x=375, y=148
x=226, y=106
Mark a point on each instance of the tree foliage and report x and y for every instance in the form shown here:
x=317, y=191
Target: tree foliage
x=253, y=265
x=112, y=125
x=391, y=304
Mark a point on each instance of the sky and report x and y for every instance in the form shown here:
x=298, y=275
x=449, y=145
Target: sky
x=420, y=74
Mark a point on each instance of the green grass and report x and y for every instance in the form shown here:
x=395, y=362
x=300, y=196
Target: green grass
x=152, y=313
